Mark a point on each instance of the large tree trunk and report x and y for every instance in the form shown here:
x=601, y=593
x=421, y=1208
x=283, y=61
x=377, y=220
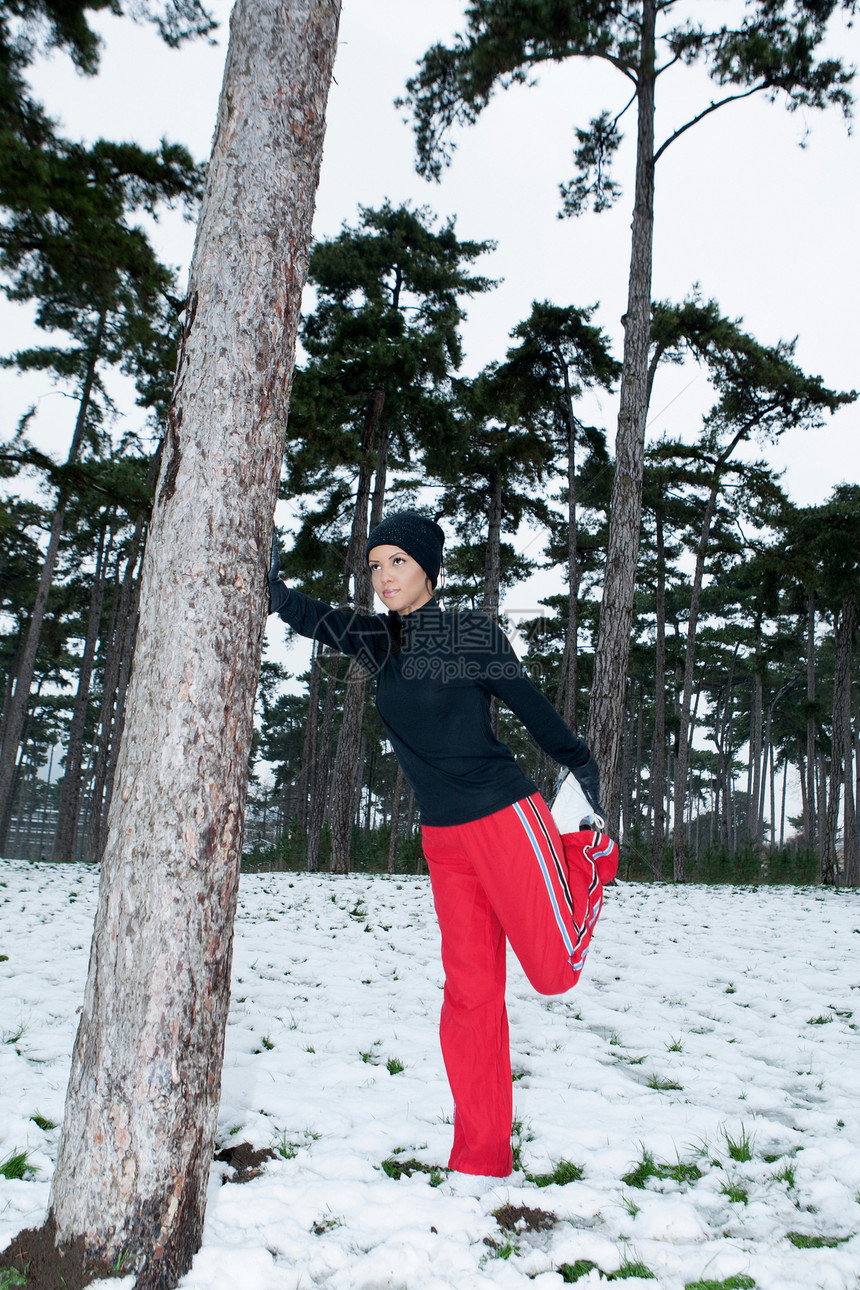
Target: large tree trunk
x=70, y=789
x=16, y=710
x=605, y=716
x=142, y=1104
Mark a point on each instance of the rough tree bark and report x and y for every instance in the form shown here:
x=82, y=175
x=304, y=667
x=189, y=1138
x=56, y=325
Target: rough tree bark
x=142, y=1102
x=606, y=709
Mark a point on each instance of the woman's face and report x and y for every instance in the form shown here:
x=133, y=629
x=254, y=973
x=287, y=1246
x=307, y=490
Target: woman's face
x=398, y=580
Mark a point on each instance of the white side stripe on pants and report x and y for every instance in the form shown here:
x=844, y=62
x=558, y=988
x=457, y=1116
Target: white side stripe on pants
x=546, y=877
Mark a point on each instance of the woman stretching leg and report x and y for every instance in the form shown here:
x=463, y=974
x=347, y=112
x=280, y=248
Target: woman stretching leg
x=499, y=869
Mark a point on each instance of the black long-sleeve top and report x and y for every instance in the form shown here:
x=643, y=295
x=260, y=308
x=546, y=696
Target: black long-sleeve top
x=433, y=695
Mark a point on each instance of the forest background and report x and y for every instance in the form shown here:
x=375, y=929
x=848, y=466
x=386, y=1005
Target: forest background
x=746, y=218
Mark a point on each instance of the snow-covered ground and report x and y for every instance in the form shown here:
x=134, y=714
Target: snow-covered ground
x=708, y=1018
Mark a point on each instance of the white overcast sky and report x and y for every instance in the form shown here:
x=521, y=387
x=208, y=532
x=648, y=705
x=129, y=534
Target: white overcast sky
x=762, y=224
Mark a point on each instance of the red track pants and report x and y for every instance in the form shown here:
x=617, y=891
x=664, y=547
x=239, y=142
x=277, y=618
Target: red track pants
x=503, y=876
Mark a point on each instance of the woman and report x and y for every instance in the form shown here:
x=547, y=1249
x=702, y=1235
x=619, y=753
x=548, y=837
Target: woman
x=497, y=864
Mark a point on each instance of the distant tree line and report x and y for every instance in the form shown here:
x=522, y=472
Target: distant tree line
x=739, y=675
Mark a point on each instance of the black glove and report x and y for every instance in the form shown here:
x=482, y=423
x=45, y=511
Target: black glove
x=279, y=594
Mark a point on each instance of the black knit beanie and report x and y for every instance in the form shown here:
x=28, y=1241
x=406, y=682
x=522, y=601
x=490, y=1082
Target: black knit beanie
x=417, y=535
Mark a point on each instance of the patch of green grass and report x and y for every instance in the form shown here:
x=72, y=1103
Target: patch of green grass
x=520, y=1135
x=501, y=1249
x=43, y=1122
x=647, y=1167
x=681, y=1172
x=10, y=1277
x=675, y=1047
x=663, y=1085
x=630, y=1205
x=358, y=911
x=565, y=1172
x=738, y=1282
x=286, y=1148
x=4, y=958
x=816, y=1242
x=818, y=1021
x=629, y=1270
x=16, y=1167
x=572, y=1272
x=785, y=1174
x=13, y=1036
x=397, y=1168
x=739, y=1148
x=267, y=1043
x=395, y=1066
x=737, y=1194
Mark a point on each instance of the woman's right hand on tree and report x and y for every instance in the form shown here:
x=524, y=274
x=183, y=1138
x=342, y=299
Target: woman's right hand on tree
x=278, y=592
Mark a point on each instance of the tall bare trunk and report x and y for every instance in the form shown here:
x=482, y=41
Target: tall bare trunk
x=627, y=766
x=658, y=765
x=70, y=789
x=754, y=778
x=142, y=1104
x=395, y=821
x=566, y=696
x=682, y=760
x=493, y=557
x=605, y=713
x=841, y=752
x=809, y=829
x=17, y=708
x=347, y=762
x=309, y=747
x=322, y=768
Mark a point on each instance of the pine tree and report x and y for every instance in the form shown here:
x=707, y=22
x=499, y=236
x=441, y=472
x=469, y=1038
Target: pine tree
x=775, y=50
